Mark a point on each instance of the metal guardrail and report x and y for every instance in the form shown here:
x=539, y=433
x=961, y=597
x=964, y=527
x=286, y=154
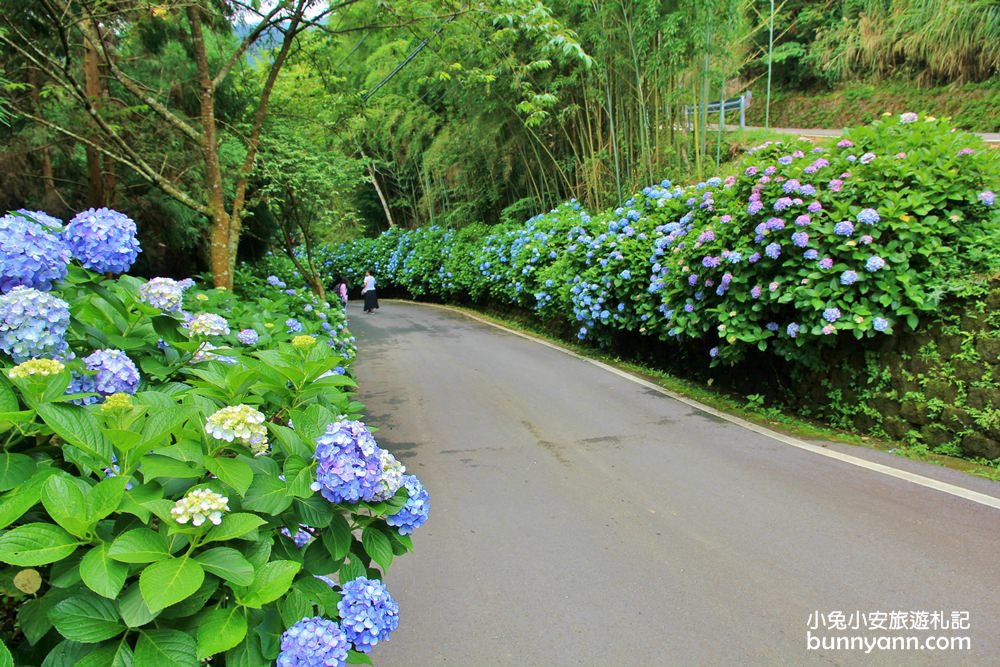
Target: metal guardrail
x=732, y=104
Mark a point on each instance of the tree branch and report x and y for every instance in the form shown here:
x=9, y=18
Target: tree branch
x=140, y=167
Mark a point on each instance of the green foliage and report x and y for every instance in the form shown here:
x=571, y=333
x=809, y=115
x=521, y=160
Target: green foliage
x=694, y=265
x=93, y=557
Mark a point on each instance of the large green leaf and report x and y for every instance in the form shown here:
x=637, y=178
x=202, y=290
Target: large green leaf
x=162, y=423
x=133, y=608
x=78, y=427
x=22, y=499
x=270, y=583
x=8, y=399
x=66, y=503
x=233, y=472
x=105, y=497
x=115, y=655
x=86, y=618
x=166, y=648
x=36, y=544
x=140, y=545
x=337, y=537
x=229, y=564
x=378, y=546
x=170, y=581
x=15, y=469
x=155, y=466
x=101, y=574
x=268, y=495
x=238, y=524
x=220, y=630
x=6, y=659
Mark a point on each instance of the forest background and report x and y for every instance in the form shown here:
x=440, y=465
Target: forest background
x=228, y=129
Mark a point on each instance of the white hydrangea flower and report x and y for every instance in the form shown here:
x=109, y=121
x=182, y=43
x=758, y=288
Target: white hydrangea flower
x=208, y=324
x=392, y=476
x=241, y=423
x=198, y=506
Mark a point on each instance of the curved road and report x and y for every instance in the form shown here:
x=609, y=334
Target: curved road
x=579, y=518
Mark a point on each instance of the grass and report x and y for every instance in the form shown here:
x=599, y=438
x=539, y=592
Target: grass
x=749, y=408
x=973, y=107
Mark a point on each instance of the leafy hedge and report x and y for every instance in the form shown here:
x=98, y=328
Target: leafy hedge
x=803, y=245
x=177, y=484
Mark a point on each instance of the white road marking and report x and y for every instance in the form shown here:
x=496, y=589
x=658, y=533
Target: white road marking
x=930, y=483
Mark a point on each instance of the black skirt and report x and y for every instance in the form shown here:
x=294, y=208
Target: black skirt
x=371, y=301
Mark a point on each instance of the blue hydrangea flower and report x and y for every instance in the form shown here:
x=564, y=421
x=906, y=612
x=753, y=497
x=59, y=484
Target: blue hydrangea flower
x=880, y=324
x=83, y=384
x=800, y=239
x=810, y=254
x=848, y=277
x=103, y=240
x=869, y=216
x=793, y=330
x=414, y=512
x=164, y=293
x=248, y=336
x=368, y=613
x=874, y=263
x=301, y=538
x=773, y=250
x=115, y=372
x=293, y=325
x=32, y=324
x=350, y=463
x=30, y=254
x=313, y=642
x=831, y=314
x=843, y=228
x=987, y=197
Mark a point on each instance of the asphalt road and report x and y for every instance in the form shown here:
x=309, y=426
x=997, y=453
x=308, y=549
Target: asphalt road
x=578, y=518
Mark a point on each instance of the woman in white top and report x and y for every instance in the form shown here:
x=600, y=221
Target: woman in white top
x=368, y=291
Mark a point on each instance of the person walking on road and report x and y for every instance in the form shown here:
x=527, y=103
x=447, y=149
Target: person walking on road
x=341, y=291
x=368, y=292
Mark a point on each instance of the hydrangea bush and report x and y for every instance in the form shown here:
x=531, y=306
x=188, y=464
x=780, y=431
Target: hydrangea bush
x=177, y=486
x=801, y=246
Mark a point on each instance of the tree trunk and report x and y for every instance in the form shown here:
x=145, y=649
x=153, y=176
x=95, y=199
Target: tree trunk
x=221, y=235
x=92, y=85
x=381, y=196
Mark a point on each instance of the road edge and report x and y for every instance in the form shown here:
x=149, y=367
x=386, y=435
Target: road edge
x=914, y=478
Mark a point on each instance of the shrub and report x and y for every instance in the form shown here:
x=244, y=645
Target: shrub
x=804, y=245
x=159, y=481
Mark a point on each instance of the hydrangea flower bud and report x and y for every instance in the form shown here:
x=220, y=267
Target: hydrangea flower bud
x=36, y=367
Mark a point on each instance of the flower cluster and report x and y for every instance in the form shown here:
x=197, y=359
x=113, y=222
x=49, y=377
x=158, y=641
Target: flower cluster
x=414, y=512
x=164, y=293
x=205, y=353
x=368, y=614
x=113, y=372
x=119, y=401
x=32, y=324
x=303, y=342
x=103, y=240
x=350, y=463
x=392, y=476
x=313, y=642
x=241, y=423
x=208, y=324
x=248, y=336
x=301, y=538
x=198, y=506
x=293, y=325
x=30, y=255
x=36, y=367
